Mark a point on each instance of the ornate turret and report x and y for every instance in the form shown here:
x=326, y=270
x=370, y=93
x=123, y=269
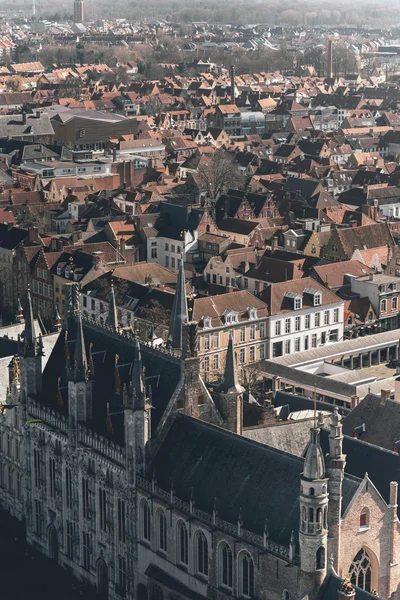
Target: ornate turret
x=57, y=324
x=79, y=383
x=30, y=342
x=313, y=536
x=112, y=318
x=230, y=383
x=231, y=392
x=31, y=355
x=137, y=423
x=19, y=315
x=335, y=468
x=179, y=314
x=81, y=369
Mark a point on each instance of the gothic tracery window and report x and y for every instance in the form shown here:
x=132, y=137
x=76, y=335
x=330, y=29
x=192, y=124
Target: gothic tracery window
x=361, y=570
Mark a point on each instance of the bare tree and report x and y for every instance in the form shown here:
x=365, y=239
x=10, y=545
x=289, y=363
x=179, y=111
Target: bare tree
x=218, y=173
x=155, y=314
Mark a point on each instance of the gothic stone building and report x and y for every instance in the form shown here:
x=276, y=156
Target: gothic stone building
x=125, y=470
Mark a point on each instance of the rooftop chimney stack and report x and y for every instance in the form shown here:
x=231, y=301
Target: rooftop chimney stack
x=330, y=59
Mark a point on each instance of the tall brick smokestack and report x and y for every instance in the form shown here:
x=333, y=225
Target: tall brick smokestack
x=330, y=59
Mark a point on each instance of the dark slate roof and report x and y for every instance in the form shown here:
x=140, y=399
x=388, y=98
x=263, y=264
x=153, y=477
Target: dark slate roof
x=381, y=421
x=261, y=482
x=330, y=587
x=162, y=374
x=11, y=237
x=382, y=466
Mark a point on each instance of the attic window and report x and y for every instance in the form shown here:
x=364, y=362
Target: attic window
x=231, y=317
x=317, y=299
x=297, y=300
x=252, y=313
x=207, y=322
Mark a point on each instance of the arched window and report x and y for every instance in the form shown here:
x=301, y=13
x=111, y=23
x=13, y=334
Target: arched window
x=162, y=531
x=157, y=593
x=246, y=575
x=312, y=492
x=364, y=518
x=201, y=553
x=320, y=558
x=146, y=521
x=285, y=595
x=182, y=535
x=225, y=565
x=361, y=570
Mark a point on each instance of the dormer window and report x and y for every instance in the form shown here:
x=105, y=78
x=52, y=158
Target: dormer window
x=317, y=299
x=252, y=313
x=207, y=322
x=231, y=316
x=297, y=300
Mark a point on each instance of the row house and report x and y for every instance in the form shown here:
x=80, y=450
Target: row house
x=303, y=314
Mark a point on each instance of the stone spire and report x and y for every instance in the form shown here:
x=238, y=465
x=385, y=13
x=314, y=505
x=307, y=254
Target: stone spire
x=57, y=324
x=179, y=315
x=81, y=369
x=19, y=315
x=112, y=318
x=230, y=383
x=30, y=343
x=138, y=387
x=314, y=465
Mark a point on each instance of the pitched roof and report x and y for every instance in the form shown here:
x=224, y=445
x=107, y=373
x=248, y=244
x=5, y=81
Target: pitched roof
x=243, y=476
x=365, y=237
x=215, y=306
x=334, y=274
x=278, y=302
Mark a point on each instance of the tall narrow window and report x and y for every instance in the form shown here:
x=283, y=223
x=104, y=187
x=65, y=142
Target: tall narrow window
x=103, y=508
x=122, y=575
x=247, y=575
x=183, y=557
x=146, y=521
x=36, y=459
x=68, y=487
x=226, y=565
x=70, y=540
x=85, y=497
x=202, y=554
x=162, y=531
x=121, y=521
x=52, y=477
x=38, y=518
x=86, y=550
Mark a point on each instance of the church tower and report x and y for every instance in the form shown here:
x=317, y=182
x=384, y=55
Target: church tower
x=31, y=356
x=137, y=408
x=79, y=383
x=231, y=392
x=313, y=536
x=335, y=468
x=79, y=11
x=179, y=314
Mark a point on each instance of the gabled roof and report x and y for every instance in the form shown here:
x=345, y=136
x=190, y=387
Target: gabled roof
x=241, y=475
